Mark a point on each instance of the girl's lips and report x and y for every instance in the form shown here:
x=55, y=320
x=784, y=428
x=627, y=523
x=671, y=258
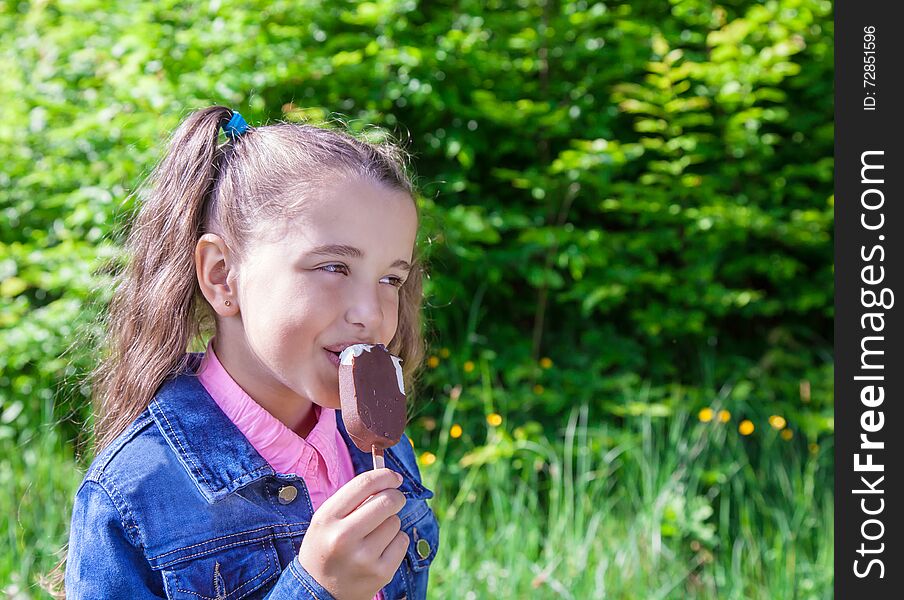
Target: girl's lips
x=333, y=358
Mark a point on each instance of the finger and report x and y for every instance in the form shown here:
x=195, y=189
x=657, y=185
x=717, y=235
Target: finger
x=372, y=512
x=352, y=494
x=377, y=540
x=395, y=552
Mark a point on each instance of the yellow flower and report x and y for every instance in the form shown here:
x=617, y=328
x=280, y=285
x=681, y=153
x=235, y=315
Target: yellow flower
x=455, y=432
x=705, y=415
x=538, y=389
x=469, y=366
x=428, y=458
x=724, y=416
x=746, y=427
x=444, y=353
x=433, y=362
x=546, y=362
x=787, y=434
x=777, y=422
x=814, y=448
x=494, y=419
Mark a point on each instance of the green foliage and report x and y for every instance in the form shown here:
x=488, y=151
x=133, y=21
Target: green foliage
x=643, y=195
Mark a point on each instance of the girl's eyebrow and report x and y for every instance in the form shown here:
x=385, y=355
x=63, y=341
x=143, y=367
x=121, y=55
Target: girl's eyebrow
x=352, y=252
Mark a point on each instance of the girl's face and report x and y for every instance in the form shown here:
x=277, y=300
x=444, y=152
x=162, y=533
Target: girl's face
x=333, y=278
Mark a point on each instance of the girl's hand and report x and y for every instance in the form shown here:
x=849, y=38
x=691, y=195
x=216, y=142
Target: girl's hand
x=354, y=544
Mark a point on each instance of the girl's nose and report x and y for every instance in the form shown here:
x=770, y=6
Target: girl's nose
x=366, y=310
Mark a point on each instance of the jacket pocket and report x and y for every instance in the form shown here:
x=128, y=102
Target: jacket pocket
x=226, y=572
x=423, y=534
x=419, y=522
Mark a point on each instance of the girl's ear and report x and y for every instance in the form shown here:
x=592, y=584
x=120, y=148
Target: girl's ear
x=212, y=265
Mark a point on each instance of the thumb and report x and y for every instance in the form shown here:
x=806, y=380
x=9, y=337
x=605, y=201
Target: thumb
x=356, y=491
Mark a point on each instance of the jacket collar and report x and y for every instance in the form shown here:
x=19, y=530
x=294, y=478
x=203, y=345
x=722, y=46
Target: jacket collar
x=211, y=449
x=215, y=454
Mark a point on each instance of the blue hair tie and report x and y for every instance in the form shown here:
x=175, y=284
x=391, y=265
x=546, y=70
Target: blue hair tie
x=236, y=125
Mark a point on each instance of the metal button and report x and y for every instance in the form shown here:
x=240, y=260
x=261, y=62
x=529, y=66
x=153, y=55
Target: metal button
x=287, y=494
x=423, y=548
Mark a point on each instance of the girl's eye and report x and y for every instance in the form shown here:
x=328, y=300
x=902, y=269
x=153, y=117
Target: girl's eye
x=396, y=281
x=328, y=266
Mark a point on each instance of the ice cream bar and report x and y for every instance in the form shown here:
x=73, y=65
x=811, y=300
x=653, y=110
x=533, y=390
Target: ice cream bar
x=373, y=398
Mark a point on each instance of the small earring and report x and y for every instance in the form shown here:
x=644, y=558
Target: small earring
x=228, y=303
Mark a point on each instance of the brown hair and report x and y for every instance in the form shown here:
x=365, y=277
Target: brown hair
x=157, y=312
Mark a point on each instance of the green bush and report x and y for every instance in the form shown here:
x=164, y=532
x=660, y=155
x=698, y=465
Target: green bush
x=639, y=190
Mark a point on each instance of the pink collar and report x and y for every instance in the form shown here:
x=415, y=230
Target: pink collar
x=285, y=450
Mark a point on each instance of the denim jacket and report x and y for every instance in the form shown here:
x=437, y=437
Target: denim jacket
x=181, y=505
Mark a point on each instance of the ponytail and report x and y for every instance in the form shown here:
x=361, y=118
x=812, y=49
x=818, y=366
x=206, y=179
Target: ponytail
x=151, y=318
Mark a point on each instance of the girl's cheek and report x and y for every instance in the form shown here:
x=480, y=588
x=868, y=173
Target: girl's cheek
x=310, y=285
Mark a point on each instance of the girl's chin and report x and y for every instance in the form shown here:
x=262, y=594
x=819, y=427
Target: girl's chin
x=330, y=400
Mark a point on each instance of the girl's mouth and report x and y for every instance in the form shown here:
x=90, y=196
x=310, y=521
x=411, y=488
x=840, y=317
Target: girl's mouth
x=333, y=357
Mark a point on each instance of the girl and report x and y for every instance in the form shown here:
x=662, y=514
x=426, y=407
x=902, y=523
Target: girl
x=230, y=474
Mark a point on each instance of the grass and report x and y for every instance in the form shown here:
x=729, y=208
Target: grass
x=647, y=507
x=38, y=476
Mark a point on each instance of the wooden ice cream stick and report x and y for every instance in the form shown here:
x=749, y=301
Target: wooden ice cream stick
x=379, y=463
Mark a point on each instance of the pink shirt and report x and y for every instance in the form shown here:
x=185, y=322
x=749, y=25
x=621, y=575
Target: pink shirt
x=321, y=459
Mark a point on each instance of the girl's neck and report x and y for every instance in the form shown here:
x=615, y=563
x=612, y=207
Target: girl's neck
x=296, y=413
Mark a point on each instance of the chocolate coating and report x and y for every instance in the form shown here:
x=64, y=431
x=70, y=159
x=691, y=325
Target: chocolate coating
x=373, y=403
